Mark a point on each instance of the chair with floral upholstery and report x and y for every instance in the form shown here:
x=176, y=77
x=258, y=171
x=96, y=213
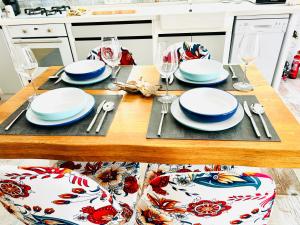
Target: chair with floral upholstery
x=126, y=58
x=208, y=198
x=190, y=50
x=121, y=179
x=46, y=195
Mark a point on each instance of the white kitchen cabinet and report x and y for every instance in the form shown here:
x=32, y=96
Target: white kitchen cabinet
x=214, y=44
x=83, y=47
x=136, y=36
x=10, y=81
x=171, y=39
x=141, y=49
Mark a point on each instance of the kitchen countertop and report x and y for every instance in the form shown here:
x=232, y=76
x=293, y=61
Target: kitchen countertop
x=145, y=11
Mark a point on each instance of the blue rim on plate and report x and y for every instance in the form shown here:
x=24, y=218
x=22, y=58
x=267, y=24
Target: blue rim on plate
x=222, y=78
x=33, y=119
x=207, y=117
x=179, y=115
x=97, y=68
x=107, y=72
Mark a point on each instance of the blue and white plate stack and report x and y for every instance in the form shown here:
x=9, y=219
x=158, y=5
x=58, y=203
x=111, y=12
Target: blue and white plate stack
x=86, y=72
x=202, y=72
x=59, y=107
x=207, y=109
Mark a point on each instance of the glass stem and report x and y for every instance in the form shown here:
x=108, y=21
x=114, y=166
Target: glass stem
x=33, y=86
x=167, y=85
x=113, y=77
x=245, y=72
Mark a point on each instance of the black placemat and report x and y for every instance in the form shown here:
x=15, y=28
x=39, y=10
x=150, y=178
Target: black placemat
x=23, y=127
x=122, y=77
x=242, y=132
x=178, y=85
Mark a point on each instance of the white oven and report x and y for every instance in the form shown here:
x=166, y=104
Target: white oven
x=48, y=42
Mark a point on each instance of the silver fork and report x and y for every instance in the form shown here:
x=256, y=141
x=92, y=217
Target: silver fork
x=164, y=111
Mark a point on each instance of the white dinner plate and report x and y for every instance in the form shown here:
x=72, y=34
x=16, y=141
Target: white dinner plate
x=59, y=104
x=100, y=78
x=208, y=102
x=223, y=76
x=33, y=118
x=205, y=126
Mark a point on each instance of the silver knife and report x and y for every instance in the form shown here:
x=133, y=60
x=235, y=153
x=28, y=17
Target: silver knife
x=248, y=112
x=96, y=116
x=57, y=74
x=233, y=72
x=58, y=80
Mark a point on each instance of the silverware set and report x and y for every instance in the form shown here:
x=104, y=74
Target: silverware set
x=233, y=76
x=164, y=111
x=106, y=107
x=58, y=75
x=20, y=114
x=259, y=110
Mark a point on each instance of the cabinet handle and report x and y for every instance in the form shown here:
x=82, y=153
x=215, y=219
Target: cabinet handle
x=37, y=42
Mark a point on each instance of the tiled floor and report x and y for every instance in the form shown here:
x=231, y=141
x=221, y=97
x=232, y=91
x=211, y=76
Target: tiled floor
x=286, y=209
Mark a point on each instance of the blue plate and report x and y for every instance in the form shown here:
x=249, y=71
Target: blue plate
x=85, y=69
x=208, y=104
x=34, y=119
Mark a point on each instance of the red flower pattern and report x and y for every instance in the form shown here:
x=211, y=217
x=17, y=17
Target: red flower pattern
x=208, y=208
x=14, y=189
x=130, y=185
x=127, y=212
x=158, y=183
x=100, y=216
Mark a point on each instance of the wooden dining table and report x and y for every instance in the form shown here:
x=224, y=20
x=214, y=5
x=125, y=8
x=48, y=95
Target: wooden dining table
x=126, y=139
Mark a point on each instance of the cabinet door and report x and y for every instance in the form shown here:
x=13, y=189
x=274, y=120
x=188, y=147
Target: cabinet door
x=83, y=47
x=141, y=49
x=170, y=40
x=213, y=43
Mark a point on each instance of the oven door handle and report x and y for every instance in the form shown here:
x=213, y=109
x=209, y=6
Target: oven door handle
x=33, y=41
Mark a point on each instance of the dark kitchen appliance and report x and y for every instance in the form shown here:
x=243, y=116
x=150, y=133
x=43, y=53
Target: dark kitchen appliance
x=48, y=12
x=14, y=4
x=268, y=1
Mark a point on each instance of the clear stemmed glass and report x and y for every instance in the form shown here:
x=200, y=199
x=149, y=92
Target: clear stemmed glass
x=111, y=54
x=166, y=62
x=248, y=51
x=26, y=65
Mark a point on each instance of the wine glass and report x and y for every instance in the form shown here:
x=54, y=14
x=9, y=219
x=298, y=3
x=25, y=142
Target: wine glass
x=111, y=54
x=26, y=65
x=248, y=51
x=166, y=62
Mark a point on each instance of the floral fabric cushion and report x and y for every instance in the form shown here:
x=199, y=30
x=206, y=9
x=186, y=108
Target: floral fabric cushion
x=190, y=50
x=155, y=169
x=120, y=179
x=209, y=198
x=45, y=195
x=126, y=58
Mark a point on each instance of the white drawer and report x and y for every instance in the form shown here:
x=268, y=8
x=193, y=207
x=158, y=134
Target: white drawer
x=43, y=30
x=119, y=29
x=141, y=49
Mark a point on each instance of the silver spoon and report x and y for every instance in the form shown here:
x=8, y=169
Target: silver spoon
x=259, y=110
x=108, y=106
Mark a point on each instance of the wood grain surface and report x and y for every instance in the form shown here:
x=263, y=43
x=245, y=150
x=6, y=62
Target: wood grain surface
x=126, y=139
